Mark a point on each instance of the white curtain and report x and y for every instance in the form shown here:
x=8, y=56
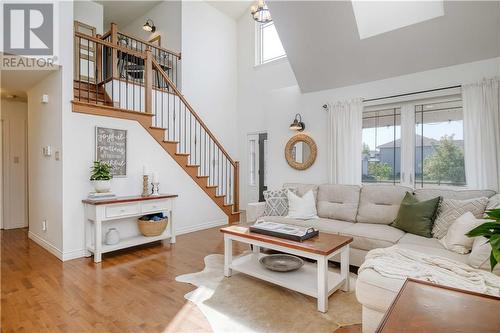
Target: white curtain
x=407, y=144
x=482, y=134
x=344, y=139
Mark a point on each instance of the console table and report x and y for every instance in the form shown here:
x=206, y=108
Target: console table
x=99, y=211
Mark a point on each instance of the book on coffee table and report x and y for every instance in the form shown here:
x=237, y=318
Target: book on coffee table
x=282, y=230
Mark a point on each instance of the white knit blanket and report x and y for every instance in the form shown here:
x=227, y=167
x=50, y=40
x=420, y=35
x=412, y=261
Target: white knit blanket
x=397, y=263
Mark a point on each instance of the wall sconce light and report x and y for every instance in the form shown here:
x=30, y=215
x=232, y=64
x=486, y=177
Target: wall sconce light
x=149, y=26
x=297, y=124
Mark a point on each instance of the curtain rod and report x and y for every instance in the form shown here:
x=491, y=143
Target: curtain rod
x=412, y=93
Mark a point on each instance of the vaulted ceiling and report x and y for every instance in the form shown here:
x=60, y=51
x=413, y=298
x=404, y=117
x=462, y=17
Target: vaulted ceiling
x=325, y=51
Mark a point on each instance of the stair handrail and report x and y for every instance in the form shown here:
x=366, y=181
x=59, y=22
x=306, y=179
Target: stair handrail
x=157, y=66
x=111, y=45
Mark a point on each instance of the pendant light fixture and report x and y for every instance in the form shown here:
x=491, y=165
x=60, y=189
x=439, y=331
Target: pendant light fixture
x=260, y=12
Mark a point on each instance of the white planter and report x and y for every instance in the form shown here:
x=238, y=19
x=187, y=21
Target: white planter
x=102, y=186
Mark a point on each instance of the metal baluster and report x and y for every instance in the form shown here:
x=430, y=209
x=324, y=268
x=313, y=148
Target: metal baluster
x=88, y=73
x=79, y=68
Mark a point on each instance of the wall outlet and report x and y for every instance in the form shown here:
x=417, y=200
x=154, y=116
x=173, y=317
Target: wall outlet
x=45, y=99
x=44, y=225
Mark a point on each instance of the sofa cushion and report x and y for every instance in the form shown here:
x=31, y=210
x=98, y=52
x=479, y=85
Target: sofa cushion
x=380, y=203
x=368, y=236
x=323, y=225
x=434, y=251
x=338, y=201
x=493, y=202
x=421, y=241
x=376, y=291
x=416, y=217
x=426, y=194
x=302, y=189
x=451, y=209
x=276, y=202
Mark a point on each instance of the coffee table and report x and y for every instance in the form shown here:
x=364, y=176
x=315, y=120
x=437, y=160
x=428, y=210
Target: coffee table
x=313, y=279
x=427, y=307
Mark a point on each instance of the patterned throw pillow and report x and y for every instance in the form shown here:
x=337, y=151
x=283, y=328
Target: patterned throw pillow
x=277, y=202
x=452, y=209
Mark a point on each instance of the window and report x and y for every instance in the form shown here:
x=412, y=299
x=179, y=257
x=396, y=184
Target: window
x=436, y=158
x=439, y=144
x=381, y=146
x=268, y=44
x=252, y=163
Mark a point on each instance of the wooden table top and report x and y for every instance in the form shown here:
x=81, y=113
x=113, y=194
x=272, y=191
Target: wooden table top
x=114, y=200
x=323, y=244
x=426, y=307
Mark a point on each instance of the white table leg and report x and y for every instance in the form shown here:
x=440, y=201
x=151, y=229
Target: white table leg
x=323, y=284
x=88, y=237
x=256, y=249
x=171, y=227
x=344, y=267
x=228, y=255
x=98, y=240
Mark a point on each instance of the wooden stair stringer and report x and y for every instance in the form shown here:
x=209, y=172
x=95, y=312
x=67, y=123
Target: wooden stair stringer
x=170, y=147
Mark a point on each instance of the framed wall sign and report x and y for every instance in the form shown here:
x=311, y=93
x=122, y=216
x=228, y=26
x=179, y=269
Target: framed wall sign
x=111, y=147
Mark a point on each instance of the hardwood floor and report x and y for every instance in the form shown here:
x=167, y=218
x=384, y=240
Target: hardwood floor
x=133, y=290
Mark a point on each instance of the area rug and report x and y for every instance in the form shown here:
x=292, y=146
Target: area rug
x=244, y=304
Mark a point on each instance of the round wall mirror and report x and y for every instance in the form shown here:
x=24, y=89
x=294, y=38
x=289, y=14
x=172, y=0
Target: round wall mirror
x=300, y=151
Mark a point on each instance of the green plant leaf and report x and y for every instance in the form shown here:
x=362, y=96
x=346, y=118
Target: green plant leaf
x=486, y=229
x=493, y=261
x=494, y=214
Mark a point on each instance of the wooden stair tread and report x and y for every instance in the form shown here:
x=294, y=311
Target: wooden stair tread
x=182, y=154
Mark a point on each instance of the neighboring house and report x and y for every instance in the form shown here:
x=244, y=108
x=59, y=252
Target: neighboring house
x=390, y=153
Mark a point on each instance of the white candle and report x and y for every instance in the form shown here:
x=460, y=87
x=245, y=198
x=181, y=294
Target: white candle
x=144, y=170
x=155, y=177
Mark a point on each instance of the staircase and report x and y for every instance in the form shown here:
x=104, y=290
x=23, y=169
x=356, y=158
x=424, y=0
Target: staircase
x=135, y=80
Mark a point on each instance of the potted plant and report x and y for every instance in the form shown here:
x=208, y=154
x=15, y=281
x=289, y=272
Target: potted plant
x=101, y=177
x=490, y=231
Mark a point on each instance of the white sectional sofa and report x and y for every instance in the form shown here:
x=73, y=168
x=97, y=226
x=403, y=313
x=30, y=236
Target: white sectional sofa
x=365, y=213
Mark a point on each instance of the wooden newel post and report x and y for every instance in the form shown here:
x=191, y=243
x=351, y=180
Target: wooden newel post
x=114, y=53
x=98, y=66
x=236, y=186
x=148, y=82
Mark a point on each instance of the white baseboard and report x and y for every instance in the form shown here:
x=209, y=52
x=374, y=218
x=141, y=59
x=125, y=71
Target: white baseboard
x=75, y=254
x=46, y=245
x=201, y=226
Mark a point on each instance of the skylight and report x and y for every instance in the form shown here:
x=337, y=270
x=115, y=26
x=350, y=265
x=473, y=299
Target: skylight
x=376, y=17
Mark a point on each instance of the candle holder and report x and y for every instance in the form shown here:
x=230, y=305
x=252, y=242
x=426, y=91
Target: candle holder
x=145, y=185
x=156, y=189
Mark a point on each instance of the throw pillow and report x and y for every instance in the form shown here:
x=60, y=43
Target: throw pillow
x=455, y=239
x=480, y=255
x=302, y=208
x=276, y=202
x=452, y=209
x=493, y=202
x=416, y=217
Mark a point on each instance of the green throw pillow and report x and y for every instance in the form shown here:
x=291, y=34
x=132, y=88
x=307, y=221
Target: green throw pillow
x=417, y=217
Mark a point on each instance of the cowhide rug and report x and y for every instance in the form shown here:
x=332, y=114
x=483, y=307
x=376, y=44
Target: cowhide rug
x=245, y=304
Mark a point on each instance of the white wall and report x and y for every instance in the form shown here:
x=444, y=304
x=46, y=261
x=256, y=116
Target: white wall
x=194, y=209
x=209, y=69
x=15, y=164
x=269, y=97
x=45, y=173
x=167, y=19
x=90, y=13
